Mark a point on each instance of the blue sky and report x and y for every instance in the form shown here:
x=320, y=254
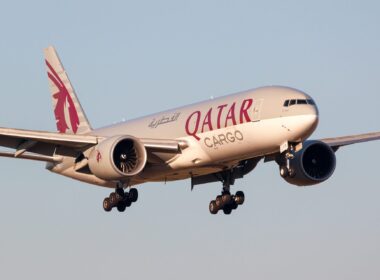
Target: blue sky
x=127, y=59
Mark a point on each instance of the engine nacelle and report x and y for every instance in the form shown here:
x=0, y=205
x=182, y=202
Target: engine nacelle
x=313, y=164
x=118, y=157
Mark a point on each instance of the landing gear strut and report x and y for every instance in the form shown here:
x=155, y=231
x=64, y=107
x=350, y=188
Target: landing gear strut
x=226, y=201
x=120, y=199
x=284, y=163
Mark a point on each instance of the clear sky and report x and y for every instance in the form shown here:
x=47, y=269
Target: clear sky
x=130, y=58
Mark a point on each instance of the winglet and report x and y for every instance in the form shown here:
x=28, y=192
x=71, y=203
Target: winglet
x=69, y=115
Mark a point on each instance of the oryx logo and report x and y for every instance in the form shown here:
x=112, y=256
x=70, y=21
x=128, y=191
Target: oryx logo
x=63, y=99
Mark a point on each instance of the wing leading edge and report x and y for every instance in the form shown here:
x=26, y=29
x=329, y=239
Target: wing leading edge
x=337, y=142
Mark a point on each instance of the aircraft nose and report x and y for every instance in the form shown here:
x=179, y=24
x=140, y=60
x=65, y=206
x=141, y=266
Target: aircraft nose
x=312, y=119
x=313, y=110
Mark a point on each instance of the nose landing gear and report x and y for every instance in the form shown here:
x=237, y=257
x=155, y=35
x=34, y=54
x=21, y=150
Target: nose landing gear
x=284, y=159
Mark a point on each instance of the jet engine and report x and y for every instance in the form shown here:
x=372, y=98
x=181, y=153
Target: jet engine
x=117, y=157
x=313, y=164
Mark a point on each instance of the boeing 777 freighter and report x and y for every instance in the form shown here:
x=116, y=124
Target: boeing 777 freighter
x=222, y=139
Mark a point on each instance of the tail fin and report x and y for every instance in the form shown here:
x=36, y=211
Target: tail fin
x=68, y=112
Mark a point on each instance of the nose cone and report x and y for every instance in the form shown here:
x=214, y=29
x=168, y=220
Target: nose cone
x=304, y=117
x=314, y=119
x=313, y=108
x=299, y=113
x=309, y=120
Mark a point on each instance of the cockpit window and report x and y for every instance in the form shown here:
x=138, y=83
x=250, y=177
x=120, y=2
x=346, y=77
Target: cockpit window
x=291, y=102
x=301, y=101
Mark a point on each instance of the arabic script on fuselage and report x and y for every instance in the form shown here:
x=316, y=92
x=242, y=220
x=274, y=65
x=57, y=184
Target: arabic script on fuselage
x=164, y=120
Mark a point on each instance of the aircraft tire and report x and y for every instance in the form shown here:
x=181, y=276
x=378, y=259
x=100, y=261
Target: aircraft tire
x=234, y=205
x=119, y=194
x=133, y=195
x=226, y=199
x=107, y=206
x=127, y=201
x=239, y=197
x=227, y=210
x=213, y=207
x=121, y=206
x=284, y=172
x=113, y=199
x=292, y=173
x=219, y=201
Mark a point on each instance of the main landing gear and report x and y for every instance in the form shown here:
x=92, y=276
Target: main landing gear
x=226, y=201
x=120, y=199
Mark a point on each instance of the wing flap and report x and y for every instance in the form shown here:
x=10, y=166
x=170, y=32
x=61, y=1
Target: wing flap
x=32, y=156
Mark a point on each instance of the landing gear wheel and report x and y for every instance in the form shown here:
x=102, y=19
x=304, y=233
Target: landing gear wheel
x=234, y=205
x=219, y=201
x=227, y=210
x=107, y=206
x=213, y=207
x=284, y=171
x=121, y=206
x=119, y=194
x=127, y=201
x=292, y=173
x=239, y=197
x=133, y=195
x=226, y=198
x=113, y=199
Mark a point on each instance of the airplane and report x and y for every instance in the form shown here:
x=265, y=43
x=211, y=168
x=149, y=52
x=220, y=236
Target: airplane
x=218, y=140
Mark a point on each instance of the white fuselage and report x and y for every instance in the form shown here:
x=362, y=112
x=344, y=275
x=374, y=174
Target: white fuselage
x=219, y=133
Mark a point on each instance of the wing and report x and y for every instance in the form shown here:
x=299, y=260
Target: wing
x=337, y=142
x=41, y=145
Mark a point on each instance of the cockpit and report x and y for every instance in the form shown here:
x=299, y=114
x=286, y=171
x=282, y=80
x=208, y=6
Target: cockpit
x=291, y=102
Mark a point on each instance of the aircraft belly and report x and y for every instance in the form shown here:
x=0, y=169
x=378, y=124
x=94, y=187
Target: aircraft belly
x=172, y=175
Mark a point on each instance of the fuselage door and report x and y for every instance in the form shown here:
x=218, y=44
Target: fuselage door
x=257, y=104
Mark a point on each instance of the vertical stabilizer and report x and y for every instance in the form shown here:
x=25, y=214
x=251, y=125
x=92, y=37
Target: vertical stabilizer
x=68, y=112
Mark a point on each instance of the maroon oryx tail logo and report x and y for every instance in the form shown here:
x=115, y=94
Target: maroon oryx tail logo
x=63, y=97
